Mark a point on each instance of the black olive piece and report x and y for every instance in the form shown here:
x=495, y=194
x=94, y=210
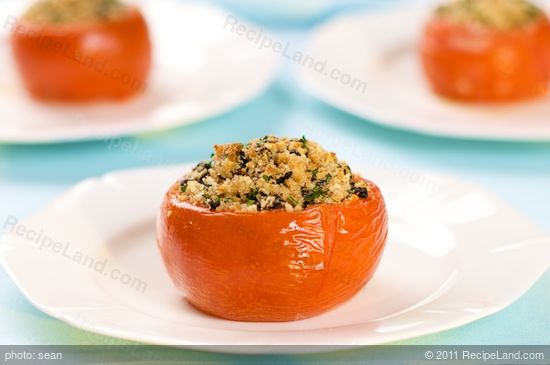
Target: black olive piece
x=204, y=165
x=214, y=204
x=243, y=160
x=360, y=192
x=278, y=203
x=284, y=178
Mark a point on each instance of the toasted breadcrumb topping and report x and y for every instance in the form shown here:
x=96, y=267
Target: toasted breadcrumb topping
x=270, y=173
x=45, y=12
x=498, y=14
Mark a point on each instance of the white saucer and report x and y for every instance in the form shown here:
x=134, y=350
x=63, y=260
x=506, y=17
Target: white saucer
x=455, y=254
x=379, y=48
x=201, y=69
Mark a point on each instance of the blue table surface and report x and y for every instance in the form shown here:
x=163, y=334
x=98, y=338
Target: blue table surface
x=31, y=176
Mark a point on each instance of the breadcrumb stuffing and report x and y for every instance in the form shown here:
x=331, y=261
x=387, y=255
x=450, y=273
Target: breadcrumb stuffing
x=498, y=14
x=270, y=173
x=73, y=11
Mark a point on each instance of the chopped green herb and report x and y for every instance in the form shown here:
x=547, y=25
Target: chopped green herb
x=314, y=174
x=252, y=195
x=316, y=193
x=292, y=201
x=304, y=142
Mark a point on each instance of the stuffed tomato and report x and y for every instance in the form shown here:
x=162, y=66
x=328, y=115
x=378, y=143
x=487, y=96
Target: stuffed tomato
x=275, y=230
x=487, y=51
x=82, y=50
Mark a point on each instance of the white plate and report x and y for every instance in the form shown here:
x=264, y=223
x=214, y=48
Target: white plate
x=200, y=69
x=380, y=48
x=455, y=254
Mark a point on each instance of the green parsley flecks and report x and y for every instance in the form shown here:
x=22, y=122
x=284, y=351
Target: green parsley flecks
x=270, y=173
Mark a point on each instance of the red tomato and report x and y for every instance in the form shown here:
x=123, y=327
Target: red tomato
x=103, y=60
x=474, y=63
x=271, y=266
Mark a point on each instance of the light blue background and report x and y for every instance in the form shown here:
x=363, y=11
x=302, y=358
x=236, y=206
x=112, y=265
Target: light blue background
x=519, y=173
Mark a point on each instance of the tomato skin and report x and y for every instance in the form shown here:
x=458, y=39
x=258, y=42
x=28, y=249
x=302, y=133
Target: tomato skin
x=477, y=64
x=104, y=60
x=271, y=266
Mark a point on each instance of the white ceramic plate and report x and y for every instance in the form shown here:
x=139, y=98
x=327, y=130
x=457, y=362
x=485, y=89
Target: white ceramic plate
x=455, y=254
x=380, y=48
x=201, y=69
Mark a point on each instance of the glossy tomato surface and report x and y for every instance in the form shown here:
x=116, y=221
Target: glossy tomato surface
x=103, y=60
x=480, y=64
x=271, y=266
